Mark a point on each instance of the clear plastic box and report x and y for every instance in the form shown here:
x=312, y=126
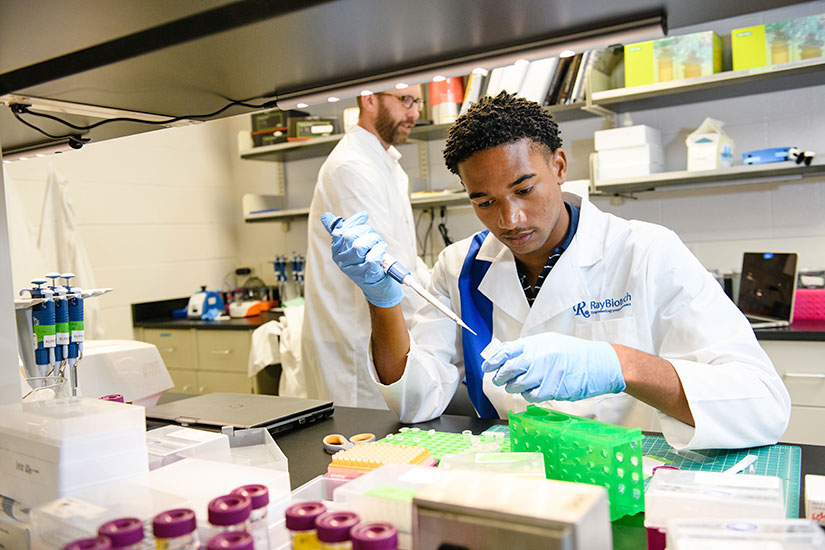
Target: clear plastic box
x=517, y=464
x=685, y=494
x=255, y=447
x=386, y=493
x=721, y=534
x=172, y=443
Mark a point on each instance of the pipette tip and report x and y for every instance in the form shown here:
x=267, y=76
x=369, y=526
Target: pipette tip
x=463, y=324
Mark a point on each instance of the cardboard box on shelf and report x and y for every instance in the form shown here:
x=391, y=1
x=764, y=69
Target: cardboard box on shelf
x=673, y=58
x=310, y=127
x=630, y=162
x=626, y=136
x=709, y=147
x=773, y=43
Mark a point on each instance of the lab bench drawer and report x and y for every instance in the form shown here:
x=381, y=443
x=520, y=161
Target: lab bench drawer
x=806, y=426
x=211, y=382
x=801, y=364
x=186, y=381
x=223, y=350
x=176, y=346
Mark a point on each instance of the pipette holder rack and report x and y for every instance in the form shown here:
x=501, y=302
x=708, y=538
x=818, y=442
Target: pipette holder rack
x=585, y=451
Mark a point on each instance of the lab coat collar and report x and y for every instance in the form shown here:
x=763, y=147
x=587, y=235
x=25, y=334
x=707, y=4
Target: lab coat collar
x=566, y=285
x=368, y=138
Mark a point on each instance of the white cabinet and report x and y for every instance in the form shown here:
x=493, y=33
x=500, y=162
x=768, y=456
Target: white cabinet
x=801, y=364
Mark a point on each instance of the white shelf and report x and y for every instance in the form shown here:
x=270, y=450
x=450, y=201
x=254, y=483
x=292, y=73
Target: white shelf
x=444, y=198
x=776, y=171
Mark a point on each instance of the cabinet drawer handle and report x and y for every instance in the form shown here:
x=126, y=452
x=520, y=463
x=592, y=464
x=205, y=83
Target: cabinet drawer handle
x=167, y=350
x=220, y=351
x=803, y=375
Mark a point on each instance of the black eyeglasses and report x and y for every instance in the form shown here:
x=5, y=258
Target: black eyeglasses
x=406, y=100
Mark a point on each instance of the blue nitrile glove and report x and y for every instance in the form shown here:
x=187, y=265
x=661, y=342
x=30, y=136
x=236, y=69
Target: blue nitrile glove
x=555, y=366
x=358, y=249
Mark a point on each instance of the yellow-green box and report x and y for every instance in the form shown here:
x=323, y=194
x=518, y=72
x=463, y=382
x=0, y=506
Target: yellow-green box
x=781, y=42
x=673, y=58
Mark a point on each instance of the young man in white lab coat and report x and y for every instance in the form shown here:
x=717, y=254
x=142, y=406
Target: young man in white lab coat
x=361, y=173
x=600, y=317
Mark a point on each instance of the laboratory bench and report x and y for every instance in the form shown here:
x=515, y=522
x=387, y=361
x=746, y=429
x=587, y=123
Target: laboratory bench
x=307, y=458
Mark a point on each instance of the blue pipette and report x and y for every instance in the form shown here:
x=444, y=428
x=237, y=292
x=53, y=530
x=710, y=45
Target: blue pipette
x=398, y=272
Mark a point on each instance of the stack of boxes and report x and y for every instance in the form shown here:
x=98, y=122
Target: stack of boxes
x=276, y=126
x=628, y=152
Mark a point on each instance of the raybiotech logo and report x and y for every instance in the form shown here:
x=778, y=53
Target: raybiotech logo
x=608, y=305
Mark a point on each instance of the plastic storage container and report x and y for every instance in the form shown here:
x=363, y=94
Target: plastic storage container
x=255, y=447
x=172, y=443
x=124, y=533
x=518, y=464
x=386, y=494
x=176, y=530
x=683, y=494
x=780, y=534
x=585, y=451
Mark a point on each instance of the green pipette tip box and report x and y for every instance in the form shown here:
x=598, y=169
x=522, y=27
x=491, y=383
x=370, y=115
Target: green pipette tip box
x=442, y=443
x=585, y=451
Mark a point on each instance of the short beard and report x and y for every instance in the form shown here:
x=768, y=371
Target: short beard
x=387, y=128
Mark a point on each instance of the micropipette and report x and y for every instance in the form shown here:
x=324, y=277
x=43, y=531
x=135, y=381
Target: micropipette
x=398, y=272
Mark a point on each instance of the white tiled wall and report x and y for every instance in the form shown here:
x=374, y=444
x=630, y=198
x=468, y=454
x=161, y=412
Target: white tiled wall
x=160, y=213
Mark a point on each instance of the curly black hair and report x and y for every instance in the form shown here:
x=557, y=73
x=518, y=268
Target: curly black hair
x=495, y=121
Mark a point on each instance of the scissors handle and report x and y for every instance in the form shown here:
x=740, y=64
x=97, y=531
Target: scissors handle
x=337, y=442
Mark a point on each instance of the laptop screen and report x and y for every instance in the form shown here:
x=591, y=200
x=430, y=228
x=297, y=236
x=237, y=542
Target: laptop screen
x=768, y=284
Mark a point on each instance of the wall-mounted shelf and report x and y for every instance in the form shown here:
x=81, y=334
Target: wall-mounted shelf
x=777, y=171
x=418, y=200
x=758, y=80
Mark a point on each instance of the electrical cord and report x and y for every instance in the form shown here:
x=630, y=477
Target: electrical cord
x=19, y=108
x=442, y=228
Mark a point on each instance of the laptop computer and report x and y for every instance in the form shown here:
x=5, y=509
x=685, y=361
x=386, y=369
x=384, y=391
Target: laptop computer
x=767, y=288
x=242, y=410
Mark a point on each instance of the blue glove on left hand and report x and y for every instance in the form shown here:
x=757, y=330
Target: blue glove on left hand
x=358, y=249
x=555, y=366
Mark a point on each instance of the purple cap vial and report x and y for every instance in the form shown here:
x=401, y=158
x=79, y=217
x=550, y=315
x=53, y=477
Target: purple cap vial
x=97, y=543
x=174, y=523
x=122, y=532
x=335, y=526
x=229, y=510
x=301, y=516
x=231, y=540
x=114, y=397
x=374, y=536
x=258, y=494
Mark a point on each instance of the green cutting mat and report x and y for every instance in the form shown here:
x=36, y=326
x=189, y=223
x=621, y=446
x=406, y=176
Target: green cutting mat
x=782, y=461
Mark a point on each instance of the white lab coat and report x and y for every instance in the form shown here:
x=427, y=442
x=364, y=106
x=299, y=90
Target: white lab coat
x=674, y=309
x=358, y=175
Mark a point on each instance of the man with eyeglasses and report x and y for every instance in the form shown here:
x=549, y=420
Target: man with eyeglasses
x=361, y=173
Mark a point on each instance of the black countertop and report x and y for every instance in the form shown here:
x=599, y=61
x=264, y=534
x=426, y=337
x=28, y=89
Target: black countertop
x=159, y=315
x=807, y=330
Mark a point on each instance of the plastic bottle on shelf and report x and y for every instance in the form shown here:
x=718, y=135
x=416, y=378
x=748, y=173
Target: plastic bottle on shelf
x=229, y=513
x=124, y=533
x=334, y=528
x=377, y=535
x=231, y=540
x=300, y=521
x=176, y=530
x=258, y=522
x=96, y=543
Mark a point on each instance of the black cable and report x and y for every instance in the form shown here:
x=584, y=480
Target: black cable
x=429, y=227
x=422, y=248
x=75, y=142
x=22, y=108
x=442, y=227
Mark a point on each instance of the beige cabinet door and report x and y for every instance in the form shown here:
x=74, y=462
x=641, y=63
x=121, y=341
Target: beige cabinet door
x=176, y=347
x=211, y=382
x=223, y=350
x=186, y=381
